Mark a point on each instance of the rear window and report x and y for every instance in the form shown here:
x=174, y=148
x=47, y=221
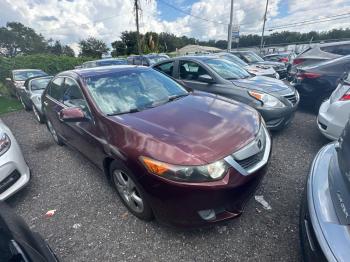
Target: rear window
x=24, y=75
x=337, y=49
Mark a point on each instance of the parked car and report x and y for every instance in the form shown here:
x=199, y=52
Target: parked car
x=324, y=217
x=316, y=83
x=146, y=60
x=275, y=100
x=18, y=242
x=286, y=57
x=14, y=172
x=320, y=53
x=30, y=96
x=19, y=76
x=334, y=112
x=103, y=62
x=253, y=59
x=259, y=70
x=186, y=158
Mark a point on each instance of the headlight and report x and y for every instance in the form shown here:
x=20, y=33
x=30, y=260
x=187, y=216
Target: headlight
x=204, y=173
x=5, y=143
x=267, y=100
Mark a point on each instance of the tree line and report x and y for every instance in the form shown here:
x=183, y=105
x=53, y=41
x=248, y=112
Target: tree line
x=17, y=39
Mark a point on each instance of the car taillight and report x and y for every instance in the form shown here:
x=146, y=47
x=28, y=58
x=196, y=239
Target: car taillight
x=346, y=96
x=298, y=61
x=309, y=75
x=284, y=59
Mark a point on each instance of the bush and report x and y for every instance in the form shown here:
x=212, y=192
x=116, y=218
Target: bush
x=51, y=64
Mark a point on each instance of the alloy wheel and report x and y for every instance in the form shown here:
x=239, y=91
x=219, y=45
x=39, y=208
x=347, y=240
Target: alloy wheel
x=36, y=113
x=52, y=131
x=128, y=191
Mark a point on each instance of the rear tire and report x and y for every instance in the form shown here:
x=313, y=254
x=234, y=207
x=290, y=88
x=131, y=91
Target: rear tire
x=54, y=134
x=130, y=191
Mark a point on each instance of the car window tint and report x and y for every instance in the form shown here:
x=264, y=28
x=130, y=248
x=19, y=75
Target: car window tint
x=39, y=84
x=191, y=70
x=337, y=49
x=73, y=95
x=57, y=88
x=166, y=68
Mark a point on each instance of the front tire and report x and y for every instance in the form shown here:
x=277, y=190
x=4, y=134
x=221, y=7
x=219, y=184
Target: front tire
x=54, y=134
x=37, y=115
x=24, y=104
x=130, y=191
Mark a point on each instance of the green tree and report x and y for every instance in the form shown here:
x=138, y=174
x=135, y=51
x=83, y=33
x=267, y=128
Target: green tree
x=16, y=39
x=92, y=47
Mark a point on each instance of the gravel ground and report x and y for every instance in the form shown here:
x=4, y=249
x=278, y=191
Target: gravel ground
x=91, y=224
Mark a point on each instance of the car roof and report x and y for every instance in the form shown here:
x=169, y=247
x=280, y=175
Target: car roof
x=198, y=57
x=105, y=59
x=23, y=70
x=94, y=71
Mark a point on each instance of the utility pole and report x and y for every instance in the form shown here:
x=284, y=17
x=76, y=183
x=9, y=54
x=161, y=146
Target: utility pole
x=229, y=37
x=263, y=29
x=136, y=6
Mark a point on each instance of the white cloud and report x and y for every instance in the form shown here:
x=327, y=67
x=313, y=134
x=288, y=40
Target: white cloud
x=72, y=20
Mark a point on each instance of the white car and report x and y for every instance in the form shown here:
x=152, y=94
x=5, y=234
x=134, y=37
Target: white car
x=334, y=112
x=14, y=171
x=259, y=70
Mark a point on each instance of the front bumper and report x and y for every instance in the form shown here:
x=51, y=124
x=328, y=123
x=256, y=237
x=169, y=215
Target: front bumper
x=332, y=118
x=322, y=237
x=14, y=172
x=278, y=118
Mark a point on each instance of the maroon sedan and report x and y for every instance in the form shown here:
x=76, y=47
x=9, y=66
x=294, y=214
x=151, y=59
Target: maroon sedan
x=185, y=158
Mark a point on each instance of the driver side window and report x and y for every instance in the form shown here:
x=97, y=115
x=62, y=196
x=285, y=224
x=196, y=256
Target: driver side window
x=73, y=97
x=191, y=71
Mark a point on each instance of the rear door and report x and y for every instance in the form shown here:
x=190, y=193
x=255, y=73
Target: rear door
x=53, y=102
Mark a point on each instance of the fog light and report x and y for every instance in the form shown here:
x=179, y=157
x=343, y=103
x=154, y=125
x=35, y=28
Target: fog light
x=208, y=214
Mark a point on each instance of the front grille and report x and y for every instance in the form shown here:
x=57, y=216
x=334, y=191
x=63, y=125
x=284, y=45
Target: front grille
x=292, y=98
x=252, y=160
x=9, y=181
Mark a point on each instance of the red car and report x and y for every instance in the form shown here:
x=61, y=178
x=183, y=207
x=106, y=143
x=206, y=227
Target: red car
x=186, y=158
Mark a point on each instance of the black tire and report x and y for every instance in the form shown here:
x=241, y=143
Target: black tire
x=25, y=106
x=144, y=213
x=37, y=115
x=54, y=134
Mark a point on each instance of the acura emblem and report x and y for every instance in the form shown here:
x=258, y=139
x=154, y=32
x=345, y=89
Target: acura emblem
x=259, y=144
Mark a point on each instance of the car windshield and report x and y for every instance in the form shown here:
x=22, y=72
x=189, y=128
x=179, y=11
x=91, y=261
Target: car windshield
x=155, y=59
x=234, y=59
x=24, y=75
x=132, y=90
x=251, y=57
x=112, y=62
x=39, y=84
x=227, y=69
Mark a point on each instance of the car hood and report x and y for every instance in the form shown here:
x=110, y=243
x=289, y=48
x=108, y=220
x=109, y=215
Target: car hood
x=265, y=84
x=195, y=130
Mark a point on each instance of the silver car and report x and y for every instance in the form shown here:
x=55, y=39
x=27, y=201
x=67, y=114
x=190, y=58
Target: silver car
x=258, y=70
x=14, y=172
x=19, y=76
x=334, y=112
x=30, y=96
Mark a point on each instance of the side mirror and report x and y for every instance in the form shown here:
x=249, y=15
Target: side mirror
x=8, y=79
x=72, y=114
x=205, y=79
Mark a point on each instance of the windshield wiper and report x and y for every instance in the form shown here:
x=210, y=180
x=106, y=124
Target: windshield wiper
x=133, y=110
x=175, y=97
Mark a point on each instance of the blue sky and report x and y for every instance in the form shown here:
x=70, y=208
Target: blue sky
x=169, y=14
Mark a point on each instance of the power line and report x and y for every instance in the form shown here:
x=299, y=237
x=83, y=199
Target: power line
x=312, y=21
x=194, y=16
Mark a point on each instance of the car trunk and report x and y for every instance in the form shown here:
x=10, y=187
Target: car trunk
x=339, y=177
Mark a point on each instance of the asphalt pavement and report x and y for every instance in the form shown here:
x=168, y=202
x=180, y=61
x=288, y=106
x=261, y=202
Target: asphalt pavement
x=91, y=224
